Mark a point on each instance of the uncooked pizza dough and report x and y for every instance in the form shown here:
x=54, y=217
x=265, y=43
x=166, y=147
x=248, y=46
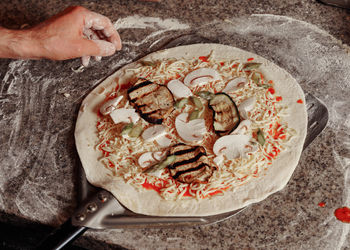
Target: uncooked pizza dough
x=149, y=202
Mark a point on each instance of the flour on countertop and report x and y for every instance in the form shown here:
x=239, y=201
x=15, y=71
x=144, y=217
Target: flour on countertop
x=37, y=121
x=157, y=25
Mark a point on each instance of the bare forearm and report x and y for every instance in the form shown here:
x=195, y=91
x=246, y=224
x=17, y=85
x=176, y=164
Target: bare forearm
x=69, y=34
x=19, y=44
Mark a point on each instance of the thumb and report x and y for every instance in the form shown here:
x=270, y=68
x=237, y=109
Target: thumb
x=97, y=48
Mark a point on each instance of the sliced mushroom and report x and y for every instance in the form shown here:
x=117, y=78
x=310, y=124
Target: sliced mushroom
x=178, y=89
x=242, y=128
x=110, y=105
x=235, y=84
x=159, y=155
x=151, y=158
x=153, y=132
x=124, y=115
x=250, y=148
x=164, y=141
x=219, y=159
x=232, y=146
x=147, y=160
x=201, y=76
x=246, y=106
x=159, y=134
x=190, y=131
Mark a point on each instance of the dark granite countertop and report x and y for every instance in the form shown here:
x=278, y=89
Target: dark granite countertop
x=39, y=101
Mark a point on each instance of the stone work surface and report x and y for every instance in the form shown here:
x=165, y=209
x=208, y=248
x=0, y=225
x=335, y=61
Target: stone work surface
x=39, y=101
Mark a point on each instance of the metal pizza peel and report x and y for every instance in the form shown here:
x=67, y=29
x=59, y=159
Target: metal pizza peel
x=99, y=209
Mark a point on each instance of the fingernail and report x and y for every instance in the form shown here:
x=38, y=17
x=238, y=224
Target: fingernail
x=85, y=60
x=117, y=44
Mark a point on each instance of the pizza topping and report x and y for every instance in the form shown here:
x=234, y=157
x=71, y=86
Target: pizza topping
x=207, y=95
x=232, y=146
x=255, y=155
x=159, y=155
x=256, y=77
x=160, y=166
x=191, y=164
x=131, y=131
x=178, y=89
x=154, y=102
x=157, y=133
x=181, y=103
x=151, y=158
x=242, y=128
x=127, y=129
x=219, y=159
x=110, y=105
x=192, y=130
x=261, y=137
x=235, y=84
x=226, y=116
x=201, y=76
x=136, y=131
x=154, y=132
x=251, y=66
x=246, y=106
x=194, y=115
x=197, y=102
x=164, y=141
x=146, y=160
x=124, y=115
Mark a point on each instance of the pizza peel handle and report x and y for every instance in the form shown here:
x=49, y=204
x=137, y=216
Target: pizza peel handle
x=61, y=236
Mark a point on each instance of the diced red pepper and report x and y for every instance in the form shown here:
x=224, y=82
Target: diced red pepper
x=271, y=90
x=203, y=58
x=300, y=101
x=111, y=165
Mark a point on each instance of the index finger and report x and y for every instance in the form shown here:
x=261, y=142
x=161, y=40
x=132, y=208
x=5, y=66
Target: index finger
x=99, y=22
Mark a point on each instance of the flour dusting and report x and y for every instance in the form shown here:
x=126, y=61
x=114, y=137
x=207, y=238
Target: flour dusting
x=157, y=26
x=37, y=156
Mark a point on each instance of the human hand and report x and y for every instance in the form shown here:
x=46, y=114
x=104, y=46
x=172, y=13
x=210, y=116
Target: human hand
x=75, y=32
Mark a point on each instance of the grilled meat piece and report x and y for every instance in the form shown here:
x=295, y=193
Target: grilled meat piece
x=191, y=164
x=226, y=117
x=152, y=101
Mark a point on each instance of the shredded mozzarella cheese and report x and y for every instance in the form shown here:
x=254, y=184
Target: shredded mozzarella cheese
x=120, y=154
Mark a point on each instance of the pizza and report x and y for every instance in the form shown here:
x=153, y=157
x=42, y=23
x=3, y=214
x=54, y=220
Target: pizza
x=192, y=131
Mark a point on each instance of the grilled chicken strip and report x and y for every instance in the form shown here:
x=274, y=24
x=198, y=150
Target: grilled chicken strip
x=191, y=164
x=152, y=101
